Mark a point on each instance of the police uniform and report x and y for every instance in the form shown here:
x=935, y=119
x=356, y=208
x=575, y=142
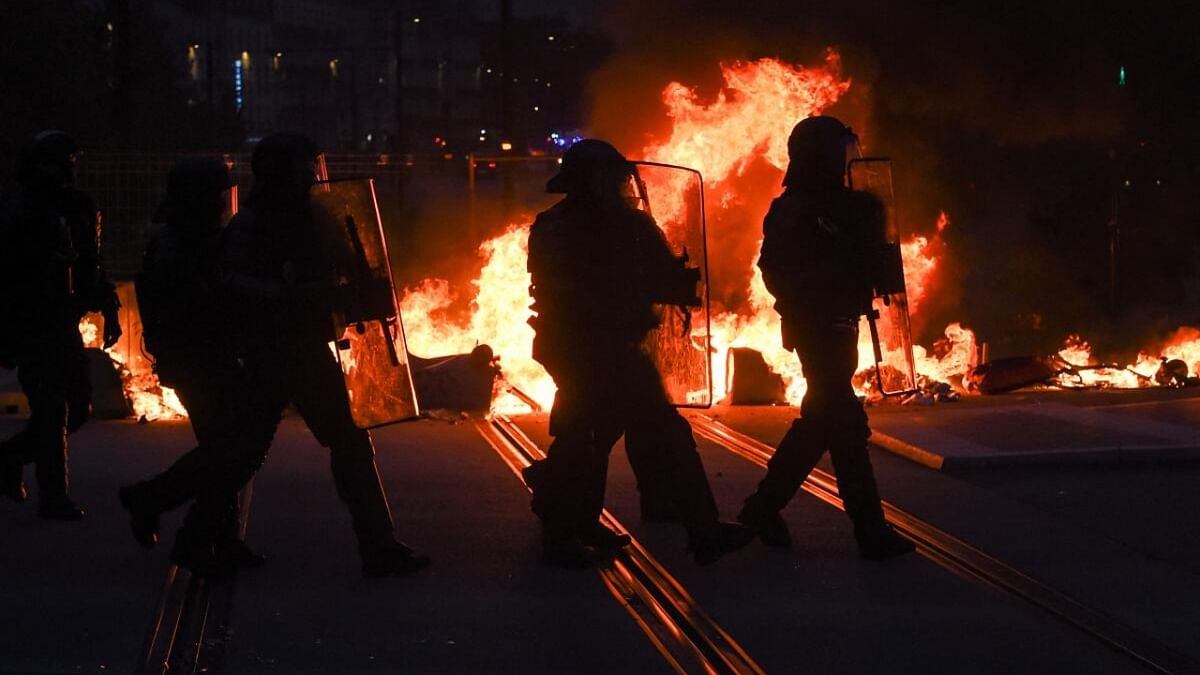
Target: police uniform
x=821, y=243
x=279, y=277
x=52, y=276
x=185, y=330
x=598, y=269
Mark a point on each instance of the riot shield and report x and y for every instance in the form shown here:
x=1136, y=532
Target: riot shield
x=679, y=346
x=888, y=320
x=367, y=328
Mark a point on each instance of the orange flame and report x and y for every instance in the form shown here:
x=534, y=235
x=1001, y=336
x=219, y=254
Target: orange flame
x=750, y=119
x=147, y=398
x=499, y=318
x=1183, y=344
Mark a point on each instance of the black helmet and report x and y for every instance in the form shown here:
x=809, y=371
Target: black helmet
x=817, y=151
x=53, y=147
x=282, y=159
x=584, y=163
x=194, y=194
x=196, y=178
x=51, y=155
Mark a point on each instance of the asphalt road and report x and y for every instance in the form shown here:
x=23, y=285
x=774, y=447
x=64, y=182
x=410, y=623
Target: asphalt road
x=1122, y=539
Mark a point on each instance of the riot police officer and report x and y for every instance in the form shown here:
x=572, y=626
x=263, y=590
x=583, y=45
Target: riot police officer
x=821, y=245
x=51, y=273
x=599, y=267
x=280, y=299
x=181, y=305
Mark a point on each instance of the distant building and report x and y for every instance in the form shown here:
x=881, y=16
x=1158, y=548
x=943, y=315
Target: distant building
x=321, y=67
x=329, y=68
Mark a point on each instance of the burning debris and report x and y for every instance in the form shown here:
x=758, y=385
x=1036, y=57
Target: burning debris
x=1177, y=364
x=748, y=122
x=148, y=399
x=745, y=125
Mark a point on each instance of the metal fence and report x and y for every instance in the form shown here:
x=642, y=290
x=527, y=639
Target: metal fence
x=459, y=195
x=128, y=188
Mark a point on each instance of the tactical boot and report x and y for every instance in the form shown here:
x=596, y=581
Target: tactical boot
x=395, y=561
x=771, y=529
x=535, y=474
x=712, y=543
x=603, y=539
x=200, y=558
x=59, y=508
x=12, y=484
x=143, y=516
x=235, y=553
x=880, y=542
x=569, y=554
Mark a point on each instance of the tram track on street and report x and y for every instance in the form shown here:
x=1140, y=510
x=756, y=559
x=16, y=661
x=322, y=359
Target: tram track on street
x=689, y=640
x=973, y=564
x=190, y=628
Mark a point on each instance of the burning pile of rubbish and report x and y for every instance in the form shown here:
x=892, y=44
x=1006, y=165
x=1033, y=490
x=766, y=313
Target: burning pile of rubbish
x=746, y=125
x=749, y=122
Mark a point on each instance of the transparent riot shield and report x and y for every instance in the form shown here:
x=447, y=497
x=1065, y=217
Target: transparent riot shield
x=679, y=346
x=367, y=328
x=888, y=321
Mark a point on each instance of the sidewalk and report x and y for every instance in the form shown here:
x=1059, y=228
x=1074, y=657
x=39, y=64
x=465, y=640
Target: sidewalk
x=1050, y=427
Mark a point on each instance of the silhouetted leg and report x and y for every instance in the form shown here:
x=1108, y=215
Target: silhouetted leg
x=77, y=381
x=855, y=476
x=648, y=457
x=234, y=420
x=319, y=393
x=45, y=440
x=797, y=454
x=684, y=482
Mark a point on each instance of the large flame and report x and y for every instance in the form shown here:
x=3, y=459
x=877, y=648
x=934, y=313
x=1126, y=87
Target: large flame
x=500, y=313
x=148, y=399
x=748, y=121
x=750, y=118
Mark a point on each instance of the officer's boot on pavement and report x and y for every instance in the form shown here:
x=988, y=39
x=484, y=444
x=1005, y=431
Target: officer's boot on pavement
x=562, y=543
x=537, y=478
x=766, y=523
x=879, y=541
x=605, y=541
x=58, y=507
x=709, y=544
x=356, y=478
x=797, y=454
x=235, y=553
x=143, y=513
x=876, y=538
x=200, y=557
x=568, y=553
